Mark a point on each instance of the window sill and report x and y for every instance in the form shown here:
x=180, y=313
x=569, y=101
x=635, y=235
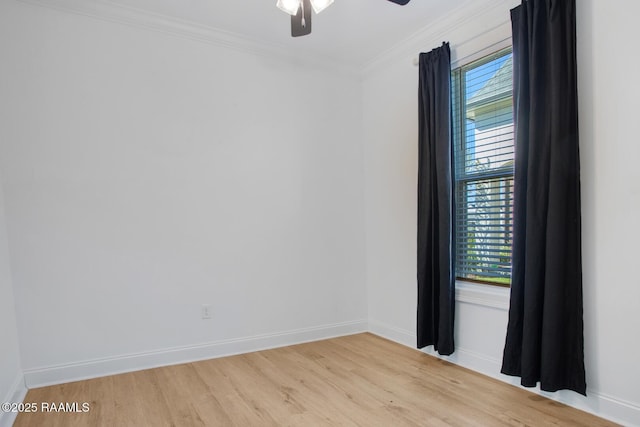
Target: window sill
x=482, y=295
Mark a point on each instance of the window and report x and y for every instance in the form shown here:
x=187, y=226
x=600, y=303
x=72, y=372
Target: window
x=484, y=152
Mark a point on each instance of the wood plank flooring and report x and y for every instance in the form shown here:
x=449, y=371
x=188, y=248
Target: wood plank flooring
x=358, y=380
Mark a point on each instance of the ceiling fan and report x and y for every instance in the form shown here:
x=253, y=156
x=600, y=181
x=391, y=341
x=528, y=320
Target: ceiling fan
x=300, y=11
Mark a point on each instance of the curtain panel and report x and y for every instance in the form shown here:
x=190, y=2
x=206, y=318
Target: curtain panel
x=545, y=342
x=436, y=276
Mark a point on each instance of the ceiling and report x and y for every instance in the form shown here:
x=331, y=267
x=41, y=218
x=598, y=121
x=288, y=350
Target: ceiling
x=350, y=32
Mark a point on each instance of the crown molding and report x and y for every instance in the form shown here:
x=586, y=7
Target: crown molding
x=467, y=14
x=105, y=10
x=109, y=11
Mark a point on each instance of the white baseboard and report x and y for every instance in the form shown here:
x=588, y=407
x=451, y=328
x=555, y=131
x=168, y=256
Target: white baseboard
x=401, y=336
x=171, y=356
x=16, y=394
x=609, y=407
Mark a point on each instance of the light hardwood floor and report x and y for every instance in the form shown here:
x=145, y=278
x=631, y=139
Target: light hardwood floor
x=358, y=380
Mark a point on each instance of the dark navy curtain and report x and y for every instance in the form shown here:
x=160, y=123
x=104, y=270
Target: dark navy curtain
x=436, y=277
x=545, y=342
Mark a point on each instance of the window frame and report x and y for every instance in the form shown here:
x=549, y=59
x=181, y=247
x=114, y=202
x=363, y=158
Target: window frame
x=459, y=138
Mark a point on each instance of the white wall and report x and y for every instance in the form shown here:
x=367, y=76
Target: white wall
x=607, y=36
x=146, y=174
x=11, y=379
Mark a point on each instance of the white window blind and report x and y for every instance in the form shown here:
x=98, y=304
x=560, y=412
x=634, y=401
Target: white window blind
x=482, y=103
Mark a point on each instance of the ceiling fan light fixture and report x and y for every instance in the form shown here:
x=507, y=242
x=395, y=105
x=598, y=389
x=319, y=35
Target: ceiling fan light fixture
x=320, y=5
x=289, y=6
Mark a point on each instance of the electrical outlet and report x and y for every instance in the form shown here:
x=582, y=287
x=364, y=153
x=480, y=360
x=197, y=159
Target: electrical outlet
x=206, y=311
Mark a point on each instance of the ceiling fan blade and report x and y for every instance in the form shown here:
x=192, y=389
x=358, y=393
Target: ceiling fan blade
x=400, y=2
x=301, y=22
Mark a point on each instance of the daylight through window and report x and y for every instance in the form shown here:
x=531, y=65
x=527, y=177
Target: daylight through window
x=484, y=155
